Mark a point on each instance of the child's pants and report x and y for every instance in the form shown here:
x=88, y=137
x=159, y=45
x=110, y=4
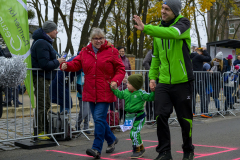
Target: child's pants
x=135, y=132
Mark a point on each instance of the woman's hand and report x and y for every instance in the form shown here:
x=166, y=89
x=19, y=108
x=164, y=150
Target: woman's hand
x=114, y=85
x=152, y=85
x=64, y=66
x=125, y=80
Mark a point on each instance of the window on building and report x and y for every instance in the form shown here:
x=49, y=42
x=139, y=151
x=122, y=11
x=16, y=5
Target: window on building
x=231, y=28
x=231, y=10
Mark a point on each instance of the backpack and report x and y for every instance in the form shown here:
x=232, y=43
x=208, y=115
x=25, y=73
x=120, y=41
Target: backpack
x=112, y=119
x=56, y=124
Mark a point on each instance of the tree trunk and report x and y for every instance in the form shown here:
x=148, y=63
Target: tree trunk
x=141, y=39
x=85, y=29
x=55, y=19
x=69, y=43
x=99, y=13
x=46, y=9
x=196, y=28
x=134, y=29
x=56, y=6
x=106, y=14
x=128, y=27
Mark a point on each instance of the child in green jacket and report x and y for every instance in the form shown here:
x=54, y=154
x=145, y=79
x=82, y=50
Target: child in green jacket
x=134, y=98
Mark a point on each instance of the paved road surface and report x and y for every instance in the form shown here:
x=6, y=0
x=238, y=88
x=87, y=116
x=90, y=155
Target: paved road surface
x=215, y=139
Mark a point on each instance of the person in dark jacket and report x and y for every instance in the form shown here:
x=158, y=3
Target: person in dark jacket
x=227, y=62
x=43, y=56
x=198, y=58
x=57, y=88
x=149, y=105
x=237, y=61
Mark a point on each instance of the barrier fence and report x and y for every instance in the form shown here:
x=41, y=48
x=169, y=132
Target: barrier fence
x=61, y=114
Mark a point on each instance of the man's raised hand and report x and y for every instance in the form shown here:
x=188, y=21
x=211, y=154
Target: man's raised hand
x=140, y=25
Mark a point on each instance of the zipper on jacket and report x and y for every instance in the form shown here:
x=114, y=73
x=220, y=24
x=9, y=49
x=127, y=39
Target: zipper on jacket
x=162, y=44
x=168, y=61
x=182, y=67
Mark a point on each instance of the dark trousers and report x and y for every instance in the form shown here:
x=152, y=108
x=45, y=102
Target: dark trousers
x=1, y=106
x=42, y=102
x=228, y=91
x=149, y=105
x=12, y=94
x=122, y=114
x=179, y=96
x=200, y=88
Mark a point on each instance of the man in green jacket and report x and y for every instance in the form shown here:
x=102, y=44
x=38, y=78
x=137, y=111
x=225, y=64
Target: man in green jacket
x=171, y=63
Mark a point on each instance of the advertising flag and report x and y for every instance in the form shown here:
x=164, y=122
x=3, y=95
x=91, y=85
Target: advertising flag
x=15, y=32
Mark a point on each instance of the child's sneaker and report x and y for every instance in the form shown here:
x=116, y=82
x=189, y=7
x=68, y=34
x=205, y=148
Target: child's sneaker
x=142, y=149
x=136, y=152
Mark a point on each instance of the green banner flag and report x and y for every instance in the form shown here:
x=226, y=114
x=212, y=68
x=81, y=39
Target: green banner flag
x=15, y=32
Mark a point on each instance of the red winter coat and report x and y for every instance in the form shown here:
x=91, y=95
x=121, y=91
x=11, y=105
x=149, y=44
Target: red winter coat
x=99, y=72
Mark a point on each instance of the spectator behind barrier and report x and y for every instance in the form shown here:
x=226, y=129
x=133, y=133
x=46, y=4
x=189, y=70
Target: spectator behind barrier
x=43, y=56
x=237, y=62
x=198, y=58
x=228, y=63
x=215, y=77
x=149, y=105
x=208, y=86
x=230, y=81
x=84, y=113
x=56, y=87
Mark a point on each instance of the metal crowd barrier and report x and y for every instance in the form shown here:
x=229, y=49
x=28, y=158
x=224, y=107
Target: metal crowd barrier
x=213, y=93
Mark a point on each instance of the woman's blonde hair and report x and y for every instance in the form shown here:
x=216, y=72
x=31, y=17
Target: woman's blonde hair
x=96, y=31
x=221, y=63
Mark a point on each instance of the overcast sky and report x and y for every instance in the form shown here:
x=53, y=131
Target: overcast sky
x=77, y=34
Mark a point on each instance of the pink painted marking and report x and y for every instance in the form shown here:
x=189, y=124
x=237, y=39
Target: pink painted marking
x=214, y=153
x=131, y=151
x=237, y=159
x=76, y=154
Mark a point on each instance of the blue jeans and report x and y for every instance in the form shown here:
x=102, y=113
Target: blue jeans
x=217, y=103
x=228, y=91
x=102, y=130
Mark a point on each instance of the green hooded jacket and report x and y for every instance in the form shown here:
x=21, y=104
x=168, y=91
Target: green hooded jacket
x=171, y=61
x=134, y=101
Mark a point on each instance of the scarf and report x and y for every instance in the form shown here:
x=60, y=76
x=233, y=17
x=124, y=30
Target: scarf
x=215, y=66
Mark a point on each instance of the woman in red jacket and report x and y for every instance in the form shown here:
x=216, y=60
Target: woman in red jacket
x=103, y=67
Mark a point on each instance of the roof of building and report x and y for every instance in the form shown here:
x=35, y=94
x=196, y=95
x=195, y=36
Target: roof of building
x=228, y=43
